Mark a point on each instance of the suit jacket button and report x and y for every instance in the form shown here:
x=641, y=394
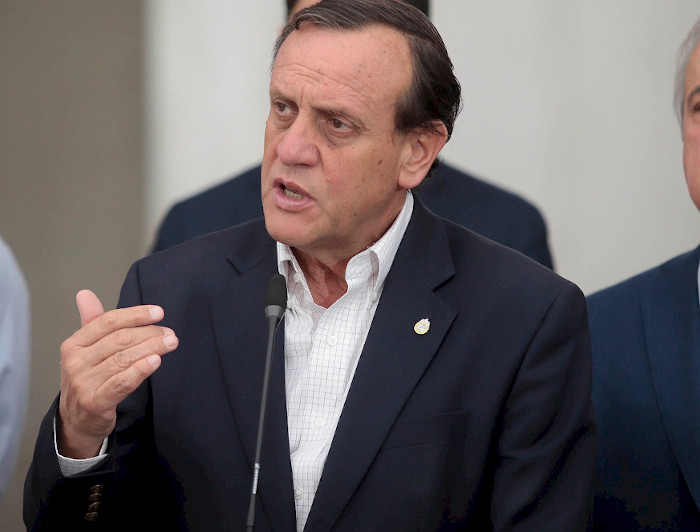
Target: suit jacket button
x=95, y=507
x=97, y=488
x=95, y=497
x=92, y=516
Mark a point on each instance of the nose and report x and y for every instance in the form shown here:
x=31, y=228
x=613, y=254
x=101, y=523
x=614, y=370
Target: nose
x=297, y=145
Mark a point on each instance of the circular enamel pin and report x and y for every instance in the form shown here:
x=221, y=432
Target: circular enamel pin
x=422, y=327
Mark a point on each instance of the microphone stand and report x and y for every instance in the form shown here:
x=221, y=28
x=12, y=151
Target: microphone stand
x=274, y=313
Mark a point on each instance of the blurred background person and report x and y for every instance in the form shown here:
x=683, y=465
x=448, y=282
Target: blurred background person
x=645, y=334
x=14, y=361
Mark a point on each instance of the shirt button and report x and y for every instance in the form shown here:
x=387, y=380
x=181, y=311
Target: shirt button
x=332, y=340
x=298, y=494
x=320, y=422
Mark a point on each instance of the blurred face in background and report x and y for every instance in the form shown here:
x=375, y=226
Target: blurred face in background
x=691, y=127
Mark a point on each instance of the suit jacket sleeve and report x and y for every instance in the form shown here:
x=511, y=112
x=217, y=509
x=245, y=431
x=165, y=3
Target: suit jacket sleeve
x=55, y=502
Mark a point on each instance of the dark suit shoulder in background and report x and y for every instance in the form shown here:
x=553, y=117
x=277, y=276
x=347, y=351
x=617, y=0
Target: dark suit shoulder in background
x=645, y=335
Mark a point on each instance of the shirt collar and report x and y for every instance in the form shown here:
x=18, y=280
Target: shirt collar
x=381, y=253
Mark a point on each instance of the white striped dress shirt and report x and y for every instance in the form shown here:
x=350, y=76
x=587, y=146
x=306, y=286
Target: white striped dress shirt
x=321, y=351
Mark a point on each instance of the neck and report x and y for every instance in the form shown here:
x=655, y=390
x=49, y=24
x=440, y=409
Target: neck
x=326, y=281
x=325, y=270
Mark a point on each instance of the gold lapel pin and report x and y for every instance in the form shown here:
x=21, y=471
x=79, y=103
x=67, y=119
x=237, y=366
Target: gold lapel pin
x=422, y=326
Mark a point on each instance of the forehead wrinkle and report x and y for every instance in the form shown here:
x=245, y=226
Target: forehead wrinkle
x=353, y=85
x=337, y=92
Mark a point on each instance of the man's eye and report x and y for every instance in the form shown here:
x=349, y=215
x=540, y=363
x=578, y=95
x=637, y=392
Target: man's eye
x=282, y=108
x=338, y=124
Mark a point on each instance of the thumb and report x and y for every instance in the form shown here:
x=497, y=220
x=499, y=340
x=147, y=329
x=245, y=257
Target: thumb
x=89, y=306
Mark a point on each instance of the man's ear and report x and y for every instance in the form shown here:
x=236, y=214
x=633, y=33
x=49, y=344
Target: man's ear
x=423, y=147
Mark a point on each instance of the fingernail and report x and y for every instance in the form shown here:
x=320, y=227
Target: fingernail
x=156, y=312
x=170, y=340
x=154, y=360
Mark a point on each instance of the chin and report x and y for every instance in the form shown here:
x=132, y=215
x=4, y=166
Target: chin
x=282, y=232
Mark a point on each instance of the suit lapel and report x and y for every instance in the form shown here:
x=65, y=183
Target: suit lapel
x=240, y=328
x=392, y=362
x=672, y=330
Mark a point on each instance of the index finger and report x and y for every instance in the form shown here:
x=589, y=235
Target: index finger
x=114, y=320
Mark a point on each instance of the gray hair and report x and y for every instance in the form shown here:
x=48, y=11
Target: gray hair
x=684, y=53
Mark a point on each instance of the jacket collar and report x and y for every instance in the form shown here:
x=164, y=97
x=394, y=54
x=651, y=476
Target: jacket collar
x=392, y=362
x=240, y=329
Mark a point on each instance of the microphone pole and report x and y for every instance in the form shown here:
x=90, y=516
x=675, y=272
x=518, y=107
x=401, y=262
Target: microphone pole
x=275, y=305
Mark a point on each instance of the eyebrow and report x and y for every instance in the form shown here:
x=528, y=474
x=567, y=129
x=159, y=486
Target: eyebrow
x=275, y=92
x=330, y=110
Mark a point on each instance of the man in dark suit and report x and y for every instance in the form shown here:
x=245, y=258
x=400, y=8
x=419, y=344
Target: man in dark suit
x=484, y=208
x=645, y=334
x=426, y=378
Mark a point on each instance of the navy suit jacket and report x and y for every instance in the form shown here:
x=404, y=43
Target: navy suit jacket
x=645, y=334
x=485, y=209
x=484, y=422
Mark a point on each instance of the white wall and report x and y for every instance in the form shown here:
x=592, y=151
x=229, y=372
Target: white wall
x=567, y=103
x=207, y=67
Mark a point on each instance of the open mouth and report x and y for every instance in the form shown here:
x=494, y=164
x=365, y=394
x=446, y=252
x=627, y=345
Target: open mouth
x=291, y=194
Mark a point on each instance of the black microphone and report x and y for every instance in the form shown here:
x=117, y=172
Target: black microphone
x=275, y=305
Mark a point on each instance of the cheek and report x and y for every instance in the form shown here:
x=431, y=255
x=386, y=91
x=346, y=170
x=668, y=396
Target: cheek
x=362, y=176
x=270, y=145
x=691, y=150
x=268, y=139
x=379, y=165
x=691, y=162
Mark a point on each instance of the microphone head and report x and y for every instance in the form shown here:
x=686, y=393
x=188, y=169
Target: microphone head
x=276, y=292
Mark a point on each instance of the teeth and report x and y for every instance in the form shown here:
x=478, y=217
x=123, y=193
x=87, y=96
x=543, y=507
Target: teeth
x=293, y=195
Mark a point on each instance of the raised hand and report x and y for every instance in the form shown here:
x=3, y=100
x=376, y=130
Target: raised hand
x=101, y=364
